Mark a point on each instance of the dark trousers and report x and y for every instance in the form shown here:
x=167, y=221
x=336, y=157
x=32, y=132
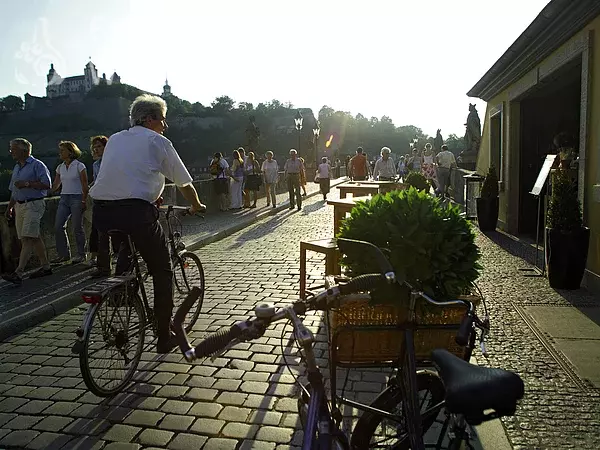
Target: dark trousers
x=293, y=184
x=139, y=219
x=97, y=240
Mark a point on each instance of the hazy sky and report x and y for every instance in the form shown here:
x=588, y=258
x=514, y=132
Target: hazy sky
x=411, y=60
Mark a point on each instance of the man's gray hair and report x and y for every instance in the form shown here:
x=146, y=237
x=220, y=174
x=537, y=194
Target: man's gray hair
x=145, y=106
x=23, y=143
x=385, y=151
x=293, y=152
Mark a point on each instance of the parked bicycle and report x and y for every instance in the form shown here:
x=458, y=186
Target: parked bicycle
x=111, y=338
x=466, y=392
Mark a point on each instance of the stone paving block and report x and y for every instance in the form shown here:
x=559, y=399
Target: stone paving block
x=85, y=443
x=87, y=427
x=5, y=418
x=227, y=385
x=42, y=393
x=184, y=441
x=291, y=420
x=239, y=430
x=176, y=407
x=220, y=444
x=161, y=377
x=50, y=441
x=122, y=446
x=275, y=434
x=19, y=438
x=201, y=394
x=254, y=387
x=264, y=417
x=209, y=427
x=283, y=390
x=22, y=422
x=264, y=358
x=46, y=371
x=154, y=437
x=4, y=432
x=121, y=433
x=11, y=404
x=256, y=445
x=199, y=381
x=68, y=394
x=18, y=391
x=234, y=374
x=173, y=367
x=34, y=407
x=39, y=380
x=37, y=359
x=81, y=410
x=234, y=414
x=232, y=398
x=172, y=391
x=202, y=409
x=176, y=423
x=52, y=423
x=242, y=365
x=181, y=379
x=260, y=401
x=269, y=368
x=287, y=405
x=63, y=408
x=151, y=403
x=205, y=371
x=145, y=418
x=253, y=376
x=88, y=397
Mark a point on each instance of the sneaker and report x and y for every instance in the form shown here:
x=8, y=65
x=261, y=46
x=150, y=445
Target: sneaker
x=41, y=272
x=78, y=260
x=13, y=278
x=298, y=208
x=274, y=206
x=291, y=207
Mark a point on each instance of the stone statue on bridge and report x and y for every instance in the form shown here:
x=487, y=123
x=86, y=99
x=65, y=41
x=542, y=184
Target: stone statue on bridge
x=468, y=157
x=438, y=141
x=252, y=136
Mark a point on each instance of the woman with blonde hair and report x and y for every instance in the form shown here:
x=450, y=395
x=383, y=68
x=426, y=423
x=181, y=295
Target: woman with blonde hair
x=303, y=177
x=71, y=174
x=429, y=168
x=237, y=180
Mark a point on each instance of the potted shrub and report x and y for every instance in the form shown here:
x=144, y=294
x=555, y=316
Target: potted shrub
x=429, y=245
x=488, y=202
x=418, y=181
x=567, y=240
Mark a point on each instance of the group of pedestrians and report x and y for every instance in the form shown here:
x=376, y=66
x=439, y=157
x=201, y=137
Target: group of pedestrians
x=435, y=168
x=243, y=178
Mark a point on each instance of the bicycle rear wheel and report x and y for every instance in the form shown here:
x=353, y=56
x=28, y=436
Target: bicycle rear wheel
x=113, y=343
x=374, y=431
x=188, y=273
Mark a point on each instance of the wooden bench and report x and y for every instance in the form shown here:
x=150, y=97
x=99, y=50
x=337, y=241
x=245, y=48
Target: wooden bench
x=341, y=207
x=329, y=248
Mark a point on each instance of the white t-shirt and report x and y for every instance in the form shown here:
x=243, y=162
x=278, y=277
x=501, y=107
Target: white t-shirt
x=70, y=177
x=446, y=159
x=324, y=170
x=134, y=165
x=270, y=170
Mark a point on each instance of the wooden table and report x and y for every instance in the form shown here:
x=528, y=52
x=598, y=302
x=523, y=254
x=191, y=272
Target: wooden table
x=357, y=189
x=384, y=186
x=341, y=207
x=332, y=256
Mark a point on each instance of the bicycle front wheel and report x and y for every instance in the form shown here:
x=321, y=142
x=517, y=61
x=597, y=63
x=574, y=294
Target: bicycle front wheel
x=187, y=274
x=113, y=343
x=375, y=431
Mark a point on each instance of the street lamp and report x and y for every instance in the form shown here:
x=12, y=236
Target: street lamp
x=316, y=131
x=298, y=121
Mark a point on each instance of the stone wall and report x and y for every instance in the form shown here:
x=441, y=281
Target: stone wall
x=9, y=244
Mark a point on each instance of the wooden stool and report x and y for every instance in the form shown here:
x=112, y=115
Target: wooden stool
x=332, y=255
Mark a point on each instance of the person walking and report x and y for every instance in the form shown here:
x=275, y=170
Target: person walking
x=219, y=168
x=303, y=177
x=292, y=168
x=237, y=180
x=270, y=170
x=245, y=193
x=97, y=144
x=359, y=166
x=429, y=167
x=324, y=175
x=446, y=162
x=253, y=178
x=384, y=169
x=135, y=164
x=29, y=186
x=71, y=174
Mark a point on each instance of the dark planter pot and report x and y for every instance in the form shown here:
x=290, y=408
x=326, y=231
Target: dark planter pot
x=487, y=213
x=566, y=256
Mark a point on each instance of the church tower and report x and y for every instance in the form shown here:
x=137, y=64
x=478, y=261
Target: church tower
x=90, y=74
x=54, y=80
x=166, y=89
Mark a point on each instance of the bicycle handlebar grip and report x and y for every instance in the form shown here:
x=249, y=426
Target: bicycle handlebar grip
x=361, y=283
x=217, y=342
x=466, y=326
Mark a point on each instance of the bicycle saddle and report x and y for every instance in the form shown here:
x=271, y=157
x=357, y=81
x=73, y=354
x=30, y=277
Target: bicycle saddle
x=471, y=390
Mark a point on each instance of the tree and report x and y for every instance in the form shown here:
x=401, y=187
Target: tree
x=223, y=104
x=455, y=144
x=11, y=103
x=245, y=106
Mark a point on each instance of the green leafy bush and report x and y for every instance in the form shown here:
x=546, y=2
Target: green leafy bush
x=490, y=184
x=429, y=244
x=564, y=211
x=418, y=181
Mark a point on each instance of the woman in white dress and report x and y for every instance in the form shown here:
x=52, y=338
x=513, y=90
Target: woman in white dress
x=237, y=180
x=324, y=174
x=270, y=170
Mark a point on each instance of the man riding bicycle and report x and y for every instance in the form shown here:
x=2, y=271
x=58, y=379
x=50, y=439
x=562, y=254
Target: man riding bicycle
x=132, y=176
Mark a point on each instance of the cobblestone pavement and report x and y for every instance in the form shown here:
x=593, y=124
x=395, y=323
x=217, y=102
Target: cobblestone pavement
x=246, y=398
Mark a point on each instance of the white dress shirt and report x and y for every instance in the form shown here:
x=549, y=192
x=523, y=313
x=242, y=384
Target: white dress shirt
x=135, y=164
x=384, y=168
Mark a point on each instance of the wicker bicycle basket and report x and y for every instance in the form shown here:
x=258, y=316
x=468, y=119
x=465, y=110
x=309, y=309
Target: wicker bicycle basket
x=365, y=334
